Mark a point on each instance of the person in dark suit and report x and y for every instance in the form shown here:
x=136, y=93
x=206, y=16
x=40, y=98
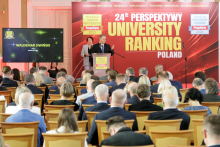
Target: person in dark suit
x=211, y=131
x=2, y=88
x=6, y=70
x=101, y=95
x=59, y=74
x=170, y=104
x=158, y=68
x=94, y=77
x=105, y=78
x=111, y=78
x=132, y=90
x=66, y=91
x=199, y=84
x=130, y=74
x=174, y=83
x=212, y=90
x=121, y=135
x=118, y=100
x=142, y=71
x=121, y=82
x=143, y=93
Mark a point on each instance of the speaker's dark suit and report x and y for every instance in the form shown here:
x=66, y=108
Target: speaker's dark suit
x=145, y=105
x=120, y=86
x=211, y=98
x=127, y=137
x=170, y=114
x=97, y=48
x=9, y=83
x=133, y=100
x=105, y=115
x=177, y=84
x=65, y=102
x=2, y=88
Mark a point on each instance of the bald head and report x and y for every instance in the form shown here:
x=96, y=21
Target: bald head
x=119, y=98
x=170, y=100
x=101, y=93
x=132, y=88
x=60, y=81
x=26, y=100
x=89, y=84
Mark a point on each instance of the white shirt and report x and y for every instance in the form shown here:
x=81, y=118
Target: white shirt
x=84, y=96
x=61, y=130
x=15, y=109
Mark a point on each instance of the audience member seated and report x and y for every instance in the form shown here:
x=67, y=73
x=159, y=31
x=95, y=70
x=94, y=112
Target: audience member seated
x=198, y=84
x=163, y=75
x=14, y=107
x=59, y=74
x=201, y=75
x=80, y=79
x=2, y=88
x=66, y=92
x=121, y=82
x=47, y=80
x=144, y=80
x=6, y=71
x=60, y=81
x=130, y=74
x=85, y=79
x=71, y=80
x=121, y=135
x=142, y=72
x=132, y=90
x=126, y=89
x=16, y=75
x=195, y=98
x=87, y=71
x=111, y=78
x=118, y=101
x=170, y=104
x=162, y=86
x=158, y=68
x=143, y=93
x=33, y=70
x=63, y=70
x=105, y=78
x=211, y=131
x=67, y=123
x=174, y=83
x=53, y=70
x=101, y=95
x=26, y=101
x=94, y=77
x=212, y=91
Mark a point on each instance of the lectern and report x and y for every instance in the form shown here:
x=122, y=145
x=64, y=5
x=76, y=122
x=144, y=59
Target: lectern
x=100, y=63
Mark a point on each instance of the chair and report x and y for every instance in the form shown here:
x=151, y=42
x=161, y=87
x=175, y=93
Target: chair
x=101, y=127
x=54, y=83
x=213, y=106
x=52, y=91
x=38, y=99
x=162, y=125
x=79, y=88
x=24, y=127
x=90, y=116
x=86, y=106
x=185, y=146
x=51, y=100
x=141, y=116
x=2, y=106
x=49, y=85
x=43, y=89
x=57, y=96
x=129, y=146
x=157, y=101
x=4, y=116
x=18, y=140
x=67, y=139
x=155, y=93
x=52, y=125
x=7, y=95
x=12, y=89
x=57, y=108
x=127, y=106
x=198, y=135
x=154, y=82
x=163, y=139
x=103, y=81
x=183, y=93
x=182, y=105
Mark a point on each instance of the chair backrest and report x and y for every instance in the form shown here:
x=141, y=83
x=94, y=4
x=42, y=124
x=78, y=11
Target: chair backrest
x=157, y=101
x=49, y=85
x=129, y=146
x=103, y=81
x=52, y=125
x=154, y=82
x=67, y=139
x=24, y=127
x=101, y=127
x=162, y=125
x=51, y=100
x=197, y=128
x=86, y=106
x=7, y=95
x=183, y=93
x=57, y=96
x=4, y=116
x=43, y=89
x=213, y=106
x=57, y=108
x=141, y=116
x=127, y=106
x=165, y=138
x=78, y=89
x=18, y=140
x=155, y=93
x=54, y=83
x=2, y=106
x=12, y=89
x=90, y=116
x=182, y=105
x=38, y=99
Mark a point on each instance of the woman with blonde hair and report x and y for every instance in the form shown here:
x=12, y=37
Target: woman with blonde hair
x=67, y=123
x=144, y=80
x=161, y=88
x=85, y=79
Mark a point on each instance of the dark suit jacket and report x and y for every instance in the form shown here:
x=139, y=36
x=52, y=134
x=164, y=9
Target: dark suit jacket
x=211, y=98
x=136, y=79
x=132, y=78
x=99, y=107
x=177, y=84
x=84, y=90
x=203, y=91
x=145, y=105
x=105, y=115
x=97, y=49
x=65, y=102
x=170, y=114
x=2, y=88
x=120, y=86
x=127, y=137
x=133, y=100
x=9, y=83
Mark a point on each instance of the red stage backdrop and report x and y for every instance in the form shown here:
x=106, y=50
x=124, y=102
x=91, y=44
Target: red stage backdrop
x=148, y=34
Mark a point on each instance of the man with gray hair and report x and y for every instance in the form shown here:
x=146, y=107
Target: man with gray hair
x=59, y=74
x=158, y=68
x=170, y=104
x=101, y=95
x=26, y=101
x=142, y=71
x=198, y=84
x=82, y=74
x=132, y=90
x=59, y=83
x=130, y=73
x=118, y=101
x=42, y=71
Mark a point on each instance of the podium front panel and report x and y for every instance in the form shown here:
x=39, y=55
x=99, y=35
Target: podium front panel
x=100, y=63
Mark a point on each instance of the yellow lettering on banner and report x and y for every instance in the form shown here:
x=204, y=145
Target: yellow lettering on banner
x=149, y=27
x=112, y=28
x=147, y=43
x=164, y=28
x=129, y=43
x=120, y=29
x=168, y=43
x=155, y=43
x=161, y=43
x=177, y=43
x=134, y=28
x=177, y=28
x=158, y=31
x=141, y=28
x=127, y=29
x=170, y=28
x=137, y=44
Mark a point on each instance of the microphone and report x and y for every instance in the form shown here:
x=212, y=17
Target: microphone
x=183, y=45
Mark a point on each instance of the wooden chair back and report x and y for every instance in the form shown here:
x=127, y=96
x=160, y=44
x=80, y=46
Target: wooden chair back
x=85, y=106
x=106, y=134
x=197, y=131
x=57, y=108
x=54, y=83
x=141, y=116
x=165, y=138
x=4, y=116
x=183, y=93
x=103, y=81
x=18, y=140
x=79, y=88
x=101, y=127
x=12, y=89
x=49, y=85
x=127, y=106
x=154, y=82
x=43, y=89
x=155, y=93
x=157, y=101
x=38, y=99
x=129, y=146
x=90, y=116
x=53, y=91
x=182, y=105
x=51, y=100
x=24, y=127
x=57, y=96
x=67, y=139
x=2, y=106
x=162, y=125
x=7, y=95
x=213, y=106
